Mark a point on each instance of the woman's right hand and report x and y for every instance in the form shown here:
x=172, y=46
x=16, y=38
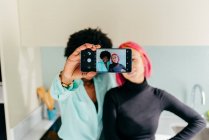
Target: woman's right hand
x=72, y=65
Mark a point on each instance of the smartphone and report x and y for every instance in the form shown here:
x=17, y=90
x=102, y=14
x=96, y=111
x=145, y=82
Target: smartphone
x=106, y=60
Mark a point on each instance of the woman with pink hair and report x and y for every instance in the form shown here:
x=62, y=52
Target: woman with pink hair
x=116, y=66
x=131, y=111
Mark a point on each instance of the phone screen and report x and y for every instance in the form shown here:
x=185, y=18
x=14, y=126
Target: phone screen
x=113, y=60
x=106, y=60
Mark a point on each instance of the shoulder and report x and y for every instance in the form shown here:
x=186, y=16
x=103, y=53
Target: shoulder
x=110, y=65
x=112, y=93
x=102, y=76
x=159, y=92
x=106, y=80
x=163, y=95
x=100, y=62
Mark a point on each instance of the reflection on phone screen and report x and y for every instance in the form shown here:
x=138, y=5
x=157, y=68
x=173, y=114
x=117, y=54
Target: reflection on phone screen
x=111, y=60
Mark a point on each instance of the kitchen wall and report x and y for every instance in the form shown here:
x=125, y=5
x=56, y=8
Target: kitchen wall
x=178, y=68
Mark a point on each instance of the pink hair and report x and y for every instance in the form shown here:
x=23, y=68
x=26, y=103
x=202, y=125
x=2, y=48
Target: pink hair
x=147, y=63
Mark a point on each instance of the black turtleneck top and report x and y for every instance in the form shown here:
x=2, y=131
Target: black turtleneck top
x=132, y=112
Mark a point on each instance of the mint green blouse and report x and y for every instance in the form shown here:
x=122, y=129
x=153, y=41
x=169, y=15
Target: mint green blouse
x=80, y=120
x=100, y=66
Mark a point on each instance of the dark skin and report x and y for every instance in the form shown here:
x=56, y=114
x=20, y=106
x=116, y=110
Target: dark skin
x=72, y=71
x=105, y=60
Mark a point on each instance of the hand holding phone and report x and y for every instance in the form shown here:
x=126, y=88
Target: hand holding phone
x=72, y=66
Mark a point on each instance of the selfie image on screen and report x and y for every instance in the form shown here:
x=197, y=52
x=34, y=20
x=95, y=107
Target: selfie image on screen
x=111, y=60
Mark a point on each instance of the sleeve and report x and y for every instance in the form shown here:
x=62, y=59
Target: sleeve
x=59, y=92
x=99, y=66
x=195, y=122
x=109, y=118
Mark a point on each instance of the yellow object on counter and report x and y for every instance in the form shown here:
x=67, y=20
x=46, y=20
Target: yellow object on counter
x=45, y=97
x=41, y=92
x=49, y=101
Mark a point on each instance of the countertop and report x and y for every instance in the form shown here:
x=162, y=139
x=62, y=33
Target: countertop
x=40, y=131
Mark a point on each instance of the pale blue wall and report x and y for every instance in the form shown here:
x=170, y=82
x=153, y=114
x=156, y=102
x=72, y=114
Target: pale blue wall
x=52, y=63
x=177, y=69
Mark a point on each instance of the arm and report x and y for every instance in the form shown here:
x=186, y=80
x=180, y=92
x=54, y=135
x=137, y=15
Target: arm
x=70, y=73
x=109, y=118
x=195, y=122
x=59, y=92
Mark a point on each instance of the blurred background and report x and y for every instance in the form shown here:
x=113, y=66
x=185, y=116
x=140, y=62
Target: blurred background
x=33, y=35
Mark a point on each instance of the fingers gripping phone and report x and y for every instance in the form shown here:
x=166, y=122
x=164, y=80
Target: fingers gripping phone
x=106, y=60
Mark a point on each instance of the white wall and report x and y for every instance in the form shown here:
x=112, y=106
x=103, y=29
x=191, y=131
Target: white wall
x=149, y=22
x=20, y=68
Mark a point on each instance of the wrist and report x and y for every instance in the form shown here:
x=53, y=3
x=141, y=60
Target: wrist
x=65, y=81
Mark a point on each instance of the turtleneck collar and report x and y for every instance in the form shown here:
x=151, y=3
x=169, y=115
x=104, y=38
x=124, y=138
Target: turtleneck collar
x=135, y=87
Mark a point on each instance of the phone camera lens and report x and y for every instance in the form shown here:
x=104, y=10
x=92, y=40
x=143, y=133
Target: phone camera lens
x=89, y=60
